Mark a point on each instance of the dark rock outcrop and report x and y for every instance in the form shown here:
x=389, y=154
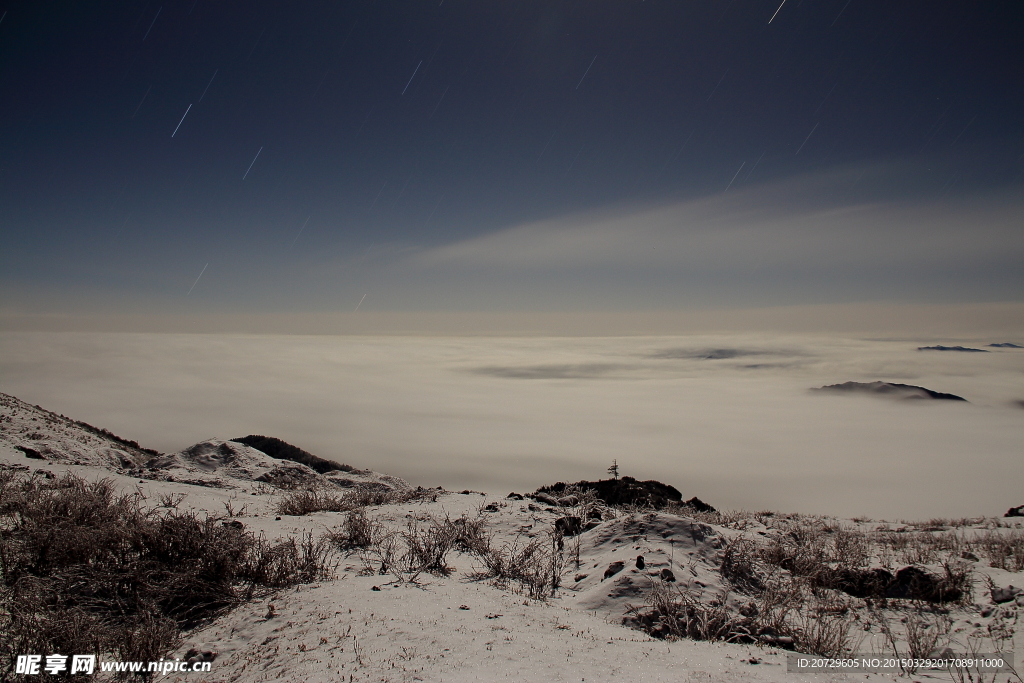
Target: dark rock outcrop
x=622, y=491
x=950, y=348
x=1015, y=512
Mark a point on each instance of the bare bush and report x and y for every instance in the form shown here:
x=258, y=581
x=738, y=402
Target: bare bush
x=922, y=634
x=171, y=500
x=308, y=501
x=86, y=569
x=536, y=565
x=358, y=531
x=322, y=499
x=1002, y=549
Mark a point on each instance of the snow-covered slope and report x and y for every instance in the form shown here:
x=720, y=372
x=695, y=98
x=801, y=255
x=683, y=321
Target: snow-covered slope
x=216, y=462
x=45, y=435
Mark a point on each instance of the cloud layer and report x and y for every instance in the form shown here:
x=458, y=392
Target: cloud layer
x=506, y=414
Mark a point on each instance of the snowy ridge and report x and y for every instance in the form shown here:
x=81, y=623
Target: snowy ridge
x=217, y=462
x=45, y=435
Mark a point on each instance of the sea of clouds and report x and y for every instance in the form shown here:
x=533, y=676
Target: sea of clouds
x=728, y=418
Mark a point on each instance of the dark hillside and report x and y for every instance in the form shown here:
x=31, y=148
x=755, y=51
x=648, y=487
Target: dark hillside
x=624, y=491
x=282, y=450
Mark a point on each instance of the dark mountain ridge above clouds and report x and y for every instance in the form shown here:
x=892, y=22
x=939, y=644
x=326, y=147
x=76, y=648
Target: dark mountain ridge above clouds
x=889, y=390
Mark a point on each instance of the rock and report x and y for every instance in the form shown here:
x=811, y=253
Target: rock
x=234, y=524
x=1006, y=345
x=1015, y=512
x=640, y=564
x=579, y=577
x=30, y=453
x=569, y=526
x=950, y=348
x=613, y=569
x=375, y=588
x=545, y=498
x=515, y=496
x=667, y=575
x=1001, y=595
x=859, y=583
x=699, y=505
x=968, y=555
x=785, y=642
x=568, y=501
x=491, y=507
x=914, y=583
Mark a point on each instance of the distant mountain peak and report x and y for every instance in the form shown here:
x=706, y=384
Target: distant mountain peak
x=889, y=390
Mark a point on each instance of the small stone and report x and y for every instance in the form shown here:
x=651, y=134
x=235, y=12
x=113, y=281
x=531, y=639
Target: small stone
x=613, y=569
x=463, y=606
x=375, y=588
x=1001, y=595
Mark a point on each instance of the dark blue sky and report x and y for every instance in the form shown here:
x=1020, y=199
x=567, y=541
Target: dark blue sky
x=400, y=148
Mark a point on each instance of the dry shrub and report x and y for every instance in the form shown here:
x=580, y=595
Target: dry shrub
x=85, y=569
x=740, y=560
x=1002, y=549
x=535, y=565
x=308, y=501
x=286, y=563
x=427, y=547
x=822, y=634
x=417, y=549
x=358, y=531
x=682, y=612
x=786, y=613
x=322, y=499
x=922, y=634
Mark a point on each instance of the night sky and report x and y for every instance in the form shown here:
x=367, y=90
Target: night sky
x=508, y=156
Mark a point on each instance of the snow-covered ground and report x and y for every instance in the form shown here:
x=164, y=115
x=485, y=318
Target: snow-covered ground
x=362, y=625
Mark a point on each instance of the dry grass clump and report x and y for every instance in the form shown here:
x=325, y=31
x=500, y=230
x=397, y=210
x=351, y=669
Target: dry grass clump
x=1002, y=549
x=801, y=584
x=408, y=553
x=787, y=613
x=321, y=499
x=86, y=569
x=534, y=565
